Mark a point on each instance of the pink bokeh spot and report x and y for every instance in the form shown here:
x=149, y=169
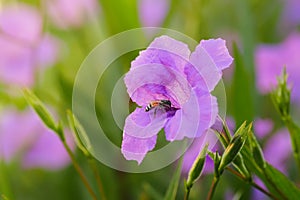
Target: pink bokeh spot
x=24, y=138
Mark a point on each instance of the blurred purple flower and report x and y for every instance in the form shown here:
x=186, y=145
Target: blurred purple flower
x=71, y=13
x=153, y=12
x=270, y=61
x=24, y=47
x=263, y=127
x=24, y=137
x=256, y=194
x=279, y=145
x=167, y=70
x=291, y=15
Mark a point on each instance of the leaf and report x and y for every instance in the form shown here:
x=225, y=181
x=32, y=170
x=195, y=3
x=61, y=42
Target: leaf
x=173, y=186
x=152, y=192
x=276, y=182
x=243, y=103
x=120, y=15
x=279, y=182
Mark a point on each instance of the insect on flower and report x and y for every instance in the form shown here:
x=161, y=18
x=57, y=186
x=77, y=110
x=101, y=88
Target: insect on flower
x=162, y=104
x=187, y=78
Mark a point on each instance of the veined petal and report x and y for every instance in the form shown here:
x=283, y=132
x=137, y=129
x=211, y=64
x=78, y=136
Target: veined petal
x=194, y=118
x=202, y=71
x=134, y=148
x=156, y=82
x=166, y=51
x=206, y=64
x=218, y=51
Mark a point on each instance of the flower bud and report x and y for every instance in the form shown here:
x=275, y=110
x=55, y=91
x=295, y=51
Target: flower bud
x=196, y=168
x=41, y=110
x=79, y=134
x=235, y=146
x=257, y=152
x=281, y=95
x=217, y=160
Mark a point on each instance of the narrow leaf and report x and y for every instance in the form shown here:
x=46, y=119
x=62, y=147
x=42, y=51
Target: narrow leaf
x=243, y=103
x=173, y=186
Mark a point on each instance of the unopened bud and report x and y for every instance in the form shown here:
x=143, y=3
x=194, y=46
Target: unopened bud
x=79, y=134
x=235, y=146
x=42, y=112
x=196, y=168
x=281, y=95
x=257, y=152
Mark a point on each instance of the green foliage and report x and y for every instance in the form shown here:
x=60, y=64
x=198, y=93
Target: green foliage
x=173, y=186
x=243, y=104
x=281, y=100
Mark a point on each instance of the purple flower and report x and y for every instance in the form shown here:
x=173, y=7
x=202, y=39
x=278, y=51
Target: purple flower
x=262, y=127
x=291, y=13
x=279, y=145
x=71, y=13
x=167, y=70
x=270, y=61
x=153, y=12
x=25, y=138
x=24, y=47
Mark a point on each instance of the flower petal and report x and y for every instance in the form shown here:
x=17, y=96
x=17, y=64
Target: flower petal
x=142, y=124
x=136, y=148
x=156, y=82
x=218, y=51
x=166, y=51
x=194, y=118
x=206, y=64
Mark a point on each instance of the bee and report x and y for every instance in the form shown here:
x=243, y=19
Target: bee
x=163, y=104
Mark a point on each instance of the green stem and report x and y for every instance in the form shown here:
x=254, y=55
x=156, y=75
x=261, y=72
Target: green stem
x=4, y=183
x=213, y=188
x=98, y=179
x=187, y=194
x=79, y=171
x=294, y=131
x=250, y=182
